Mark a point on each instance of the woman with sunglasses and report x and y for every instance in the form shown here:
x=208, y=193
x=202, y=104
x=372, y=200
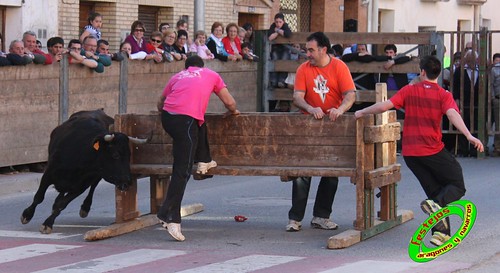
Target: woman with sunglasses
x=136, y=37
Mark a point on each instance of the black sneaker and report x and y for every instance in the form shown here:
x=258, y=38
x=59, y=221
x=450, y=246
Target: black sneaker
x=430, y=207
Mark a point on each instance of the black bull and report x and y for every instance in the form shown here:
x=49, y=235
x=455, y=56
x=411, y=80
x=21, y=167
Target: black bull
x=82, y=151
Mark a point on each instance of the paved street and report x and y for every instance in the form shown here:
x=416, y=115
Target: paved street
x=216, y=243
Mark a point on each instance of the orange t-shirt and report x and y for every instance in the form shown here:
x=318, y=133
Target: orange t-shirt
x=324, y=85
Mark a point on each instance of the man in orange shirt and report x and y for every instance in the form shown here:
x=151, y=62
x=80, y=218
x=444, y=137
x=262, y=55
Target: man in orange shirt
x=323, y=87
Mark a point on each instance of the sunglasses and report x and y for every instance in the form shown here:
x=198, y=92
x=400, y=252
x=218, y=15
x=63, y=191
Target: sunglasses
x=139, y=29
x=157, y=41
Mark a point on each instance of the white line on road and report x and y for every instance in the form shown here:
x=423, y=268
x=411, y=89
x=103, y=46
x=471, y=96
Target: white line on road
x=29, y=251
x=244, y=264
x=373, y=267
x=115, y=262
x=34, y=234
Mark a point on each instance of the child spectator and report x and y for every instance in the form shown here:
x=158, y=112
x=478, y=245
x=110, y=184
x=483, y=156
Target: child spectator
x=94, y=26
x=199, y=47
x=246, y=51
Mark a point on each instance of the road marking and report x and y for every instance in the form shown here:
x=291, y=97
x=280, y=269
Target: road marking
x=373, y=267
x=29, y=251
x=244, y=264
x=115, y=262
x=34, y=234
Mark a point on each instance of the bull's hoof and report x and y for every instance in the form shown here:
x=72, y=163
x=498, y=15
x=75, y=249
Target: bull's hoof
x=45, y=229
x=24, y=220
x=83, y=213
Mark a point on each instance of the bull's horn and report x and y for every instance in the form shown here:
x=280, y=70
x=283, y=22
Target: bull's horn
x=109, y=138
x=136, y=140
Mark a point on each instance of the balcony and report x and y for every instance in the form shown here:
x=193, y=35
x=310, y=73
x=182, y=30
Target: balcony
x=471, y=2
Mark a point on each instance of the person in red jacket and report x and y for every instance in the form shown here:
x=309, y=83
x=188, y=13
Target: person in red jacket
x=231, y=42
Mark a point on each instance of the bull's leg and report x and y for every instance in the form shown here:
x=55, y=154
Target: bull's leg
x=59, y=205
x=87, y=203
x=37, y=199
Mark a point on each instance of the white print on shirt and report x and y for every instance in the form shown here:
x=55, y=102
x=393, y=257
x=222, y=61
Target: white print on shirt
x=321, y=87
x=189, y=74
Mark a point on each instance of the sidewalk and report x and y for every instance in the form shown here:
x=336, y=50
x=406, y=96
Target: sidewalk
x=19, y=182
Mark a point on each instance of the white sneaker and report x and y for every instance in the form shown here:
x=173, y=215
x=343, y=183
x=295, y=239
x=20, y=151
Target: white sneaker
x=439, y=238
x=323, y=223
x=293, y=225
x=174, y=229
x=204, y=167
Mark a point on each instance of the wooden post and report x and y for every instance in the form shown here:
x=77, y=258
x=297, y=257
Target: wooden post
x=158, y=189
x=126, y=203
x=64, y=89
x=123, y=87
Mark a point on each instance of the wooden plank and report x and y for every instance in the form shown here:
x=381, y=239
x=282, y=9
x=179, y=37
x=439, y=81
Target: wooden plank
x=380, y=38
x=135, y=224
x=355, y=67
x=383, y=133
x=260, y=155
x=149, y=169
x=383, y=180
x=280, y=94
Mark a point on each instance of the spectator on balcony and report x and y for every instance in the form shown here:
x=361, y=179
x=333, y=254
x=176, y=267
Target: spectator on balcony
x=279, y=28
x=136, y=37
x=55, y=45
x=214, y=43
x=169, y=38
x=75, y=56
x=39, y=45
x=103, y=49
x=241, y=34
x=231, y=42
x=249, y=35
x=163, y=27
x=246, y=51
x=155, y=51
x=495, y=97
x=16, y=55
x=90, y=52
x=183, y=25
x=30, y=47
x=94, y=26
x=199, y=47
x=180, y=43
x=470, y=92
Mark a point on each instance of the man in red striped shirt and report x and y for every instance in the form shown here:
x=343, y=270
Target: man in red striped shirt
x=437, y=170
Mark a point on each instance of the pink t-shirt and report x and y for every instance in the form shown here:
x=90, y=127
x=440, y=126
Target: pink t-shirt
x=188, y=92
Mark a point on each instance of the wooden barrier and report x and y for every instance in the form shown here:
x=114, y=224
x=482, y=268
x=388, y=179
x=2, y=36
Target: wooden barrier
x=36, y=98
x=276, y=144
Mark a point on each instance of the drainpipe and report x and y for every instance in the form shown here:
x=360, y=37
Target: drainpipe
x=477, y=17
x=199, y=15
x=369, y=16
x=374, y=11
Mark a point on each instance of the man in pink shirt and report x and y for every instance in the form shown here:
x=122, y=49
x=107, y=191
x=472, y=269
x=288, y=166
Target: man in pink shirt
x=183, y=104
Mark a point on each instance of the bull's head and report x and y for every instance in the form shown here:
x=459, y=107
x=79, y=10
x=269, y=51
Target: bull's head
x=114, y=158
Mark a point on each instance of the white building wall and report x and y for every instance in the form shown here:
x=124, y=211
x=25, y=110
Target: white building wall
x=32, y=15
x=409, y=15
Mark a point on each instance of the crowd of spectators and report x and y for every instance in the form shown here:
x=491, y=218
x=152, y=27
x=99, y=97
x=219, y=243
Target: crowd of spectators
x=167, y=44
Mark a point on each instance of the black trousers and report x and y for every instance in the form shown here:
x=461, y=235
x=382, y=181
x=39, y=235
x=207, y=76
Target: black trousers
x=324, y=197
x=190, y=144
x=440, y=176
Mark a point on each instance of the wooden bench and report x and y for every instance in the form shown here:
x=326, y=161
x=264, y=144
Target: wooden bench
x=275, y=144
